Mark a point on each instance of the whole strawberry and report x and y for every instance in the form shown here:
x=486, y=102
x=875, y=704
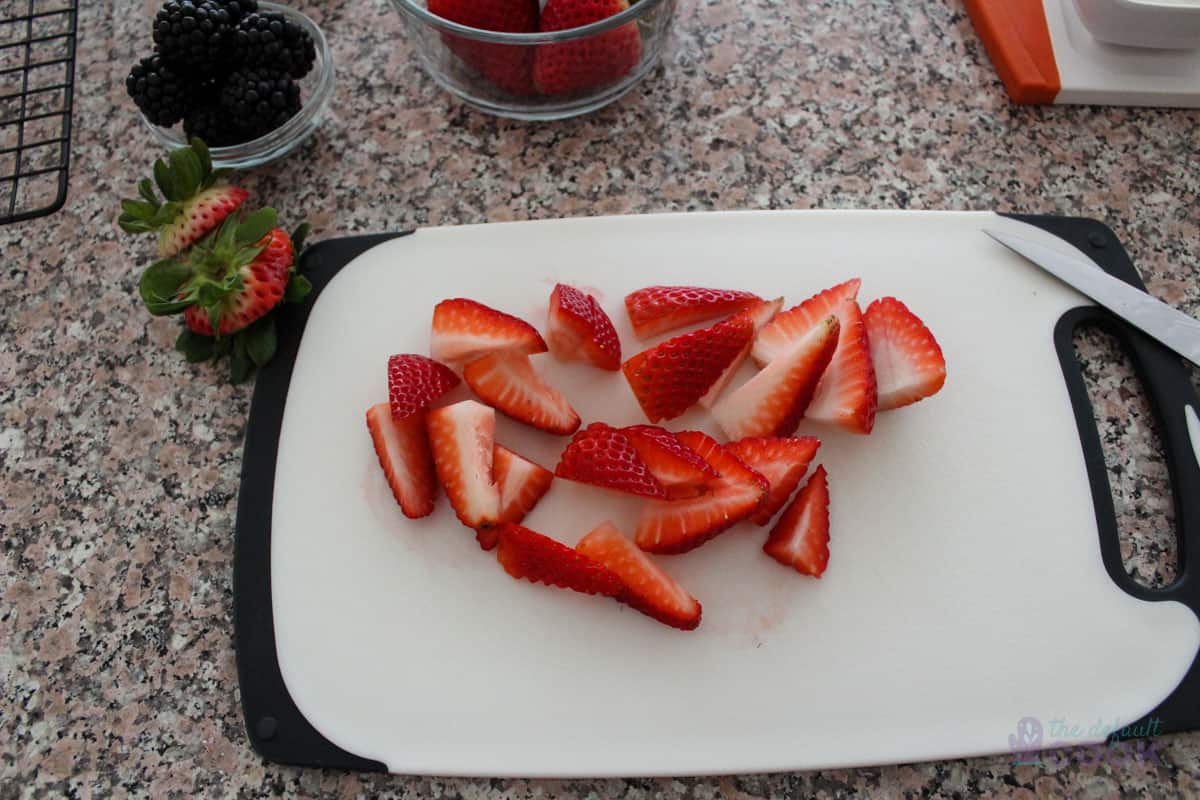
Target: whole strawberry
x=225, y=270
x=585, y=63
x=194, y=200
x=510, y=67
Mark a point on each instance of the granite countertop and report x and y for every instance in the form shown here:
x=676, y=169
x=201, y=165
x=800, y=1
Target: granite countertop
x=119, y=463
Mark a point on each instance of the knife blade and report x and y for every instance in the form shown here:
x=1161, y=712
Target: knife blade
x=1153, y=317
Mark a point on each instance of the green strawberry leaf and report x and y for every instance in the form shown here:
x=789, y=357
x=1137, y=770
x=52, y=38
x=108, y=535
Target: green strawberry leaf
x=165, y=180
x=240, y=365
x=222, y=346
x=299, y=235
x=146, y=190
x=134, y=226
x=186, y=168
x=260, y=340
x=297, y=289
x=195, y=347
x=255, y=226
x=205, y=158
x=138, y=210
x=160, y=285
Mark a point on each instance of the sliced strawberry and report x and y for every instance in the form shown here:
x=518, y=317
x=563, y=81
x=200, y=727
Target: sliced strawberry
x=680, y=470
x=760, y=313
x=909, y=365
x=509, y=384
x=647, y=586
x=522, y=483
x=603, y=456
x=462, y=437
x=676, y=526
x=658, y=309
x=773, y=401
x=778, y=336
x=403, y=451
x=846, y=395
x=464, y=330
x=528, y=554
x=416, y=381
x=801, y=537
x=671, y=377
x=578, y=330
x=782, y=462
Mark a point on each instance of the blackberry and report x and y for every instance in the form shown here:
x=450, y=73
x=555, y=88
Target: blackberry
x=271, y=40
x=195, y=34
x=260, y=99
x=210, y=123
x=159, y=91
x=238, y=8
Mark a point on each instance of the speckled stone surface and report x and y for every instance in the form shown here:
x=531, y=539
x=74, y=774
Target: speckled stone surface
x=119, y=463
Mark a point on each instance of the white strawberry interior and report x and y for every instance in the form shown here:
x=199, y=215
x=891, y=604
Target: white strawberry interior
x=474, y=437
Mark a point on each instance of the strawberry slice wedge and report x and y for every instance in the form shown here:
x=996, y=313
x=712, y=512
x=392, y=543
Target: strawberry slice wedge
x=528, y=554
x=416, y=381
x=464, y=330
x=773, y=401
x=909, y=365
x=521, y=484
x=403, y=451
x=760, y=313
x=671, y=377
x=604, y=456
x=801, y=537
x=782, y=462
x=658, y=309
x=508, y=383
x=680, y=470
x=846, y=395
x=577, y=329
x=647, y=586
x=462, y=437
x=676, y=526
x=778, y=336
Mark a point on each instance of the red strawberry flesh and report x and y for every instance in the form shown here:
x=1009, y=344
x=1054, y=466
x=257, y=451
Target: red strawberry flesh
x=603, y=456
x=588, y=62
x=657, y=310
x=782, y=461
x=416, y=381
x=801, y=537
x=760, y=313
x=509, y=67
x=680, y=470
x=509, y=383
x=528, y=554
x=647, y=586
x=263, y=282
x=462, y=437
x=578, y=330
x=671, y=377
x=676, y=526
x=464, y=330
x=909, y=365
x=403, y=451
x=773, y=402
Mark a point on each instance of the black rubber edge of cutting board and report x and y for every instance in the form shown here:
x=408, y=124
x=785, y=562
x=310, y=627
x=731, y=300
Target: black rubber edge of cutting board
x=1169, y=390
x=280, y=733
x=277, y=730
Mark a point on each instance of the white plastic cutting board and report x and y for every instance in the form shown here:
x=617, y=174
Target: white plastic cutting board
x=1099, y=73
x=965, y=588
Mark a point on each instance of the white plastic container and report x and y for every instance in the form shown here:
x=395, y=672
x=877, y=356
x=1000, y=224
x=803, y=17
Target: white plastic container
x=1161, y=24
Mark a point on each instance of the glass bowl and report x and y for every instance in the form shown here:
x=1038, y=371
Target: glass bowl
x=316, y=90
x=539, y=76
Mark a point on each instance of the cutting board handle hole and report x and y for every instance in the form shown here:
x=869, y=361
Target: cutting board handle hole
x=1131, y=440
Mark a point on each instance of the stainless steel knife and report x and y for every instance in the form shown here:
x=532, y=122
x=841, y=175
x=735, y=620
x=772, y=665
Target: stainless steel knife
x=1155, y=318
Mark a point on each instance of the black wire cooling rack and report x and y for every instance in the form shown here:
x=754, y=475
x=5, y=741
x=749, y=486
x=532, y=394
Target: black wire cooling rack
x=37, y=78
